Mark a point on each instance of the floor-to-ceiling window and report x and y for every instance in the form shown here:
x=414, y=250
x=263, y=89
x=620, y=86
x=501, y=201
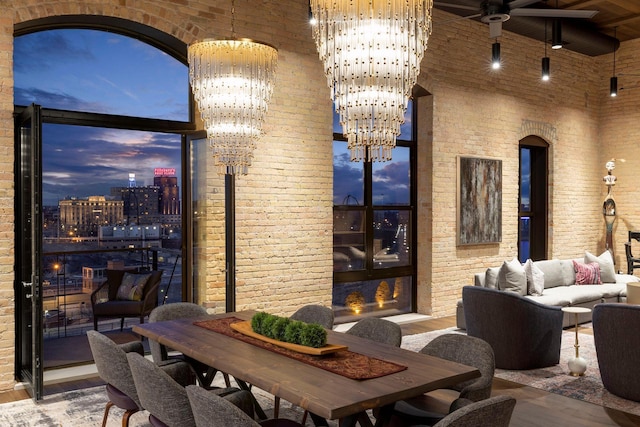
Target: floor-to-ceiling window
x=115, y=108
x=373, y=231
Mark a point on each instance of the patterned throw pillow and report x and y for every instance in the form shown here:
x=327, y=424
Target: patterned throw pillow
x=587, y=274
x=132, y=286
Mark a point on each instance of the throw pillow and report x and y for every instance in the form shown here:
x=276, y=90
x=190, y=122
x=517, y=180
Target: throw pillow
x=491, y=277
x=512, y=277
x=587, y=274
x=132, y=286
x=535, y=278
x=605, y=261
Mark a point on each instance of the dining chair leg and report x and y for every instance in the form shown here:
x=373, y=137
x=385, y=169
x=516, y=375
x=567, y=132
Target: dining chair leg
x=126, y=416
x=106, y=413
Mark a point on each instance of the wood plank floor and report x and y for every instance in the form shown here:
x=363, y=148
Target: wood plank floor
x=534, y=407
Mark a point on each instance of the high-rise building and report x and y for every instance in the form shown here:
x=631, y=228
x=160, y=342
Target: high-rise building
x=165, y=179
x=140, y=204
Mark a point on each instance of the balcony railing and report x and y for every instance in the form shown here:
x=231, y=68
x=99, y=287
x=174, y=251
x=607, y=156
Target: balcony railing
x=69, y=278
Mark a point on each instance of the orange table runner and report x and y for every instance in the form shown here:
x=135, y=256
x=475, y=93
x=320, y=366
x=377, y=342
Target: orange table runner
x=344, y=362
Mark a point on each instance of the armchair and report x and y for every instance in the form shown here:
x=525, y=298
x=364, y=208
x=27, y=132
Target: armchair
x=108, y=302
x=524, y=334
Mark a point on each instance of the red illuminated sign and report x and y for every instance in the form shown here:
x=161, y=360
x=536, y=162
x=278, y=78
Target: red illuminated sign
x=164, y=171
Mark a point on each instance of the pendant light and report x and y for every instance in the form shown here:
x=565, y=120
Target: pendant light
x=495, y=55
x=556, y=32
x=613, y=82
x=545, y=61
x=232, y=81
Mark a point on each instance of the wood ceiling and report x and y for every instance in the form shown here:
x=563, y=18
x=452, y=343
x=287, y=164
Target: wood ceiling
x=623, y=14
x=593, y=37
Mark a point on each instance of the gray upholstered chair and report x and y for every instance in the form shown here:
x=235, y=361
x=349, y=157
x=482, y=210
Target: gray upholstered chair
x=113, y=367
x=181, y=310
x=524, y=334
x=459, y=348
x=165, y=399
x=493, y=412
x=314, y=313
x=379, y=330
x=106, y=304
x=617, y=345
x=210, y=410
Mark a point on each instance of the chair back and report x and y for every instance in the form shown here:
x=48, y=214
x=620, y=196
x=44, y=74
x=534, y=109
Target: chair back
x=211, y=410
x=112, y=365
x=470, y=351
x=493, y=412
x=379, y=330
x=524, y=334
x=161, y=395
x=617, y=346
x=314, y=313
x=178, y=310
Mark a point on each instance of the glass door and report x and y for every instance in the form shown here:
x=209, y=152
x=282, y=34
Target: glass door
x=28, y=286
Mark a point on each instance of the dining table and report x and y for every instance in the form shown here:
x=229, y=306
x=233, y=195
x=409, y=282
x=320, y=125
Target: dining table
x=327, y=393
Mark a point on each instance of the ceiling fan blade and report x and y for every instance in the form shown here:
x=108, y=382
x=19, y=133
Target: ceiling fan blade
x=495, y=29
x=553, y=13
x=454, y=6
x=460, y=18
x=521, y=3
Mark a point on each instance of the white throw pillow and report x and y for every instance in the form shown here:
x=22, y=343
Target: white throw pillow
x=535, y=278
x=605, y=261
x=512, y=277
x=491, y=277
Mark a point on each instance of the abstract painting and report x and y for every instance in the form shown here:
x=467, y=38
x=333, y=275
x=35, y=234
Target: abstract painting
x=479, y=201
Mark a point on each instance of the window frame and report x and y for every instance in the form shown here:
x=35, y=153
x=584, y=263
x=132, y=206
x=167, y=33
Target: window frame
x=369, y=272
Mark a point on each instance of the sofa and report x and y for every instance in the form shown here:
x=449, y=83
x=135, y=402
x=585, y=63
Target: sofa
x=577, y=282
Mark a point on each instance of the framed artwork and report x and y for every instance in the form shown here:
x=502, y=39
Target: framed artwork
x=479, y=201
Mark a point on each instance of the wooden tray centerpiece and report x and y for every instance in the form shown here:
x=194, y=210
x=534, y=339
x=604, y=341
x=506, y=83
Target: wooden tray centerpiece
x=276, y=323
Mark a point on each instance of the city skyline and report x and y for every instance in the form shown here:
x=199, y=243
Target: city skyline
x=100, y=72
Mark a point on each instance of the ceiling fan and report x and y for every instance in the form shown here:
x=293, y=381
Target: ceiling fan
x=495, y=12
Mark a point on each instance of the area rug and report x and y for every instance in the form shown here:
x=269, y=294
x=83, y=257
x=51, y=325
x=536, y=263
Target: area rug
x=80, y=408
x=554, y=379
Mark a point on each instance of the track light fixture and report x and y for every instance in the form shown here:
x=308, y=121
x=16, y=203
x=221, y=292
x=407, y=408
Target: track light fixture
x=495, y=55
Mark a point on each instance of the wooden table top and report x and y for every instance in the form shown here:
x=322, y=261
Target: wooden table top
x=323, y=393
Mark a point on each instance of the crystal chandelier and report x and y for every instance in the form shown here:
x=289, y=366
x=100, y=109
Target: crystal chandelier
x=232, y=82
x=371, y=51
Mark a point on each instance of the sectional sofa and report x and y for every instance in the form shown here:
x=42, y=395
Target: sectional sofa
x=578, y=282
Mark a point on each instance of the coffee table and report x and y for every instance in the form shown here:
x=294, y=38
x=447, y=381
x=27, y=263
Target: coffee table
x=577, y=365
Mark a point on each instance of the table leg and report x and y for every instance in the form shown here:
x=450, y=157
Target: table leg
x=577, y=365
x=259, y=411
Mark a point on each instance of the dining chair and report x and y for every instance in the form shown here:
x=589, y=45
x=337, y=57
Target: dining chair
x=210, y=410
x=159, y=352
x=314, y=313
x=493, y=412
x=311, y=313
x=464, y=349
x=166, y=400
x=379, y=330
x=113, y=368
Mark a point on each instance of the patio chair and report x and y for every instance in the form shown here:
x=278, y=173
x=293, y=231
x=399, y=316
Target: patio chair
x=181, y=310
x=379, y=330
x=618, y=348
x=166, y=400
x=210, y=410
x=125, y=294
x=493, y=412
x=459, y=348
x=113, y=367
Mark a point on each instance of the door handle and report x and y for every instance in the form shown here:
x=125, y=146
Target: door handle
x=27, y=284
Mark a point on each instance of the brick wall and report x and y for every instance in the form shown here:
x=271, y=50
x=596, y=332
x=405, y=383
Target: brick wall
x=284, y=217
